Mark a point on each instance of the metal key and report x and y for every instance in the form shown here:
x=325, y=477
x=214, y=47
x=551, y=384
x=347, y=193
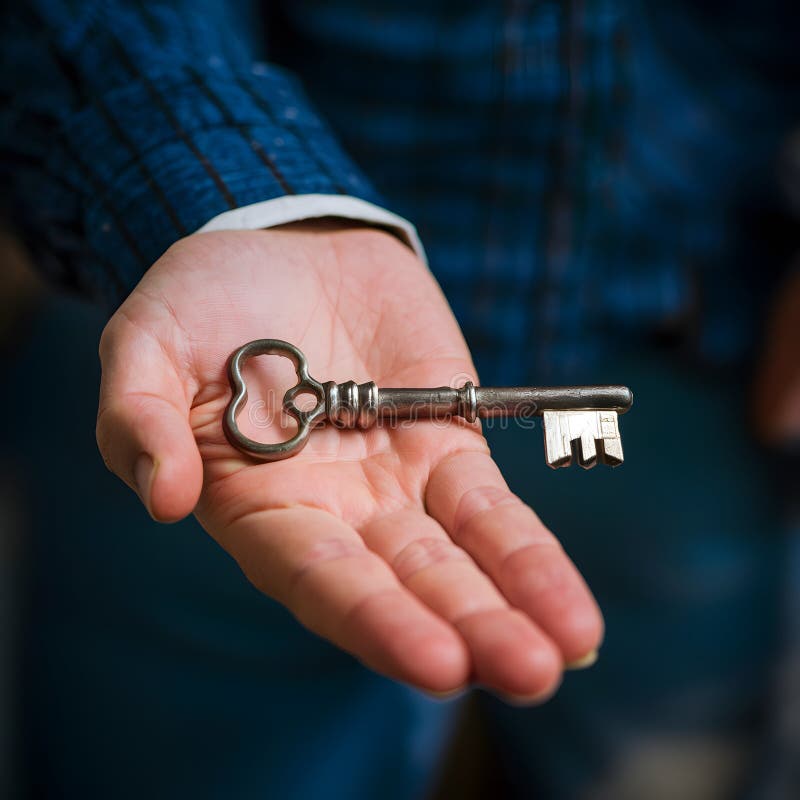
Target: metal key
x=580, y=422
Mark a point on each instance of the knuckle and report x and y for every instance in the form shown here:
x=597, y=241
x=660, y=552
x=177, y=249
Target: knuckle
x=119, y=414
x=423, y=553
x=479, y=500
x=109, y=338
x=107, y=425
x=323, y=552
x=541, y=568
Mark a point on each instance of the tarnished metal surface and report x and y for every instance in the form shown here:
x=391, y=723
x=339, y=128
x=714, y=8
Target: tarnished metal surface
x=586, y=415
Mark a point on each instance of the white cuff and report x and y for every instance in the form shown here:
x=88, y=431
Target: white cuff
x=293, y=208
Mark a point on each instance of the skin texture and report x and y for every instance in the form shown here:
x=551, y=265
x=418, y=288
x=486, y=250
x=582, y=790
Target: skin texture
x=404, y=546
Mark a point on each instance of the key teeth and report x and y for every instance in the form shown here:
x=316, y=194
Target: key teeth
x=586, y=437
x=588, y=451
x=557, y=445
x=612, y=451
x=611, y=443
x=558, y=463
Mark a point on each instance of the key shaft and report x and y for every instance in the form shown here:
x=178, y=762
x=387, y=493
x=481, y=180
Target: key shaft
x=529, y=401
x=353, y=405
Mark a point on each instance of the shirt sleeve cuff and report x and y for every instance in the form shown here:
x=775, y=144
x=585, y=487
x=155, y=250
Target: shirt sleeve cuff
x=293, y=208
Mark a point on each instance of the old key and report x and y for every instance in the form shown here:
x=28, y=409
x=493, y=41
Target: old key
x=580, y=422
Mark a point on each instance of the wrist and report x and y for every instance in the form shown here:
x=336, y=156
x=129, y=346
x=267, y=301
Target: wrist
x=336, y=209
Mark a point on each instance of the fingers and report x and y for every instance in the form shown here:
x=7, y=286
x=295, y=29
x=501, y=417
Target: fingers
x=509, y=652
x=468, y=496
x=318, y=566
x=143, y=429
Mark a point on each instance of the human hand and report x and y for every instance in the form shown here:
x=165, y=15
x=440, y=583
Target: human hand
x=402, y=546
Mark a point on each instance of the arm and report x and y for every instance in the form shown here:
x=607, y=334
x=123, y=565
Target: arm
x=131, y=125
x=404, y=547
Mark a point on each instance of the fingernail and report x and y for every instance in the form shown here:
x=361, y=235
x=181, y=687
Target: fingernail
x=583, y=663
x=143, y=474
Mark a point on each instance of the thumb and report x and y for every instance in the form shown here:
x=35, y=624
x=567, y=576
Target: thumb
x=143, y=429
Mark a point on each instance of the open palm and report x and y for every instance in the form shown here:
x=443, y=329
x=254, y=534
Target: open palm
x=401, y=545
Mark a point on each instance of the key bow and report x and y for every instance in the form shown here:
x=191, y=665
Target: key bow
x=305, y=385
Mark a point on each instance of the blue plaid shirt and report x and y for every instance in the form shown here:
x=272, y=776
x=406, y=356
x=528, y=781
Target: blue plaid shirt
x=579, y=171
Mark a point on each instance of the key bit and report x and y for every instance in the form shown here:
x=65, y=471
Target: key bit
x=591, y=436
x=582, y=418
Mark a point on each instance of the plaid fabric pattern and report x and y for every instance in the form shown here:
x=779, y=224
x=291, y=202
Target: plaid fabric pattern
x=575, y=168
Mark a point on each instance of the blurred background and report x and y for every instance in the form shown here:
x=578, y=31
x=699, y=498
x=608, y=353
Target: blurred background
x=120, y=636
x=136, y=661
